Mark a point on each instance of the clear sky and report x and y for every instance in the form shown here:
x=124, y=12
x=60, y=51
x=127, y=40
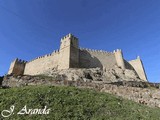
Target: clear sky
x=30, y=28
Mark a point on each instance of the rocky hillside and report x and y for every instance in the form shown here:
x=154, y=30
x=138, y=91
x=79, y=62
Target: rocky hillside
x=135, y=89
x=94, y=74
x=116, y=74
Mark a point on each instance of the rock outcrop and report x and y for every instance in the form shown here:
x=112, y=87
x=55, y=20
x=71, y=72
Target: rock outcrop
x=96, y=74
x=124, y=83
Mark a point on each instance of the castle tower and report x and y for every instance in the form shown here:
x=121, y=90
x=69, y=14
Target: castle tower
x=119, y=58
x=69, y=52
x=17, y=67
x=137, y=64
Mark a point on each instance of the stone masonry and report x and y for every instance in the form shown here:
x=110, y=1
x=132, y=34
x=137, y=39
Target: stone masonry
x=71, y=56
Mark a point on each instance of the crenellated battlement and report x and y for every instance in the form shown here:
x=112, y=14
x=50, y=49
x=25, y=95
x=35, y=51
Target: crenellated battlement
x=69, y=36
x=96, y=51
x=69, y=52
x=119, y=58
x=19, y=61
x=55, y=52
x=118, y=50
x=69, y=55
x=17, y=67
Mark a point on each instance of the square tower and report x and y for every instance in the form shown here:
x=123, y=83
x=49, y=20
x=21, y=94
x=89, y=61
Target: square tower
x=69, y=52
x=17, y=67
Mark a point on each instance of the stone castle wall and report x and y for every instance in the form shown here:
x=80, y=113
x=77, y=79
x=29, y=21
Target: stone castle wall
x=17, y=67
x=87, y=59
x=119, y=58
x=139, y=68
x=96, y=58
x=41, y=64
x=70, y=56
x=69, y=52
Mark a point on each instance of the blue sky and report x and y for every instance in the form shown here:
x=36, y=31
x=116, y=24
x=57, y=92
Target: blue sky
x=30, y=28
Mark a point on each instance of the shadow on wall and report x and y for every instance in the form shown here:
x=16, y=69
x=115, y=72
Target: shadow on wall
x=88, y=61
x=1, y=79
x=128, y=66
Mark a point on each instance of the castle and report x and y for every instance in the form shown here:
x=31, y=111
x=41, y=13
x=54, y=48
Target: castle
x=71, y=56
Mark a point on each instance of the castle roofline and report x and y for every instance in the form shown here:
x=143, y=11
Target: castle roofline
x=70, y=35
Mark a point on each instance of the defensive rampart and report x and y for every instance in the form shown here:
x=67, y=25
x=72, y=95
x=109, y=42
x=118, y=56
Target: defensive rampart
x=41, y=64
x=71, y=56
x=139, y=68
x=17, y=67
x=96, y=58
